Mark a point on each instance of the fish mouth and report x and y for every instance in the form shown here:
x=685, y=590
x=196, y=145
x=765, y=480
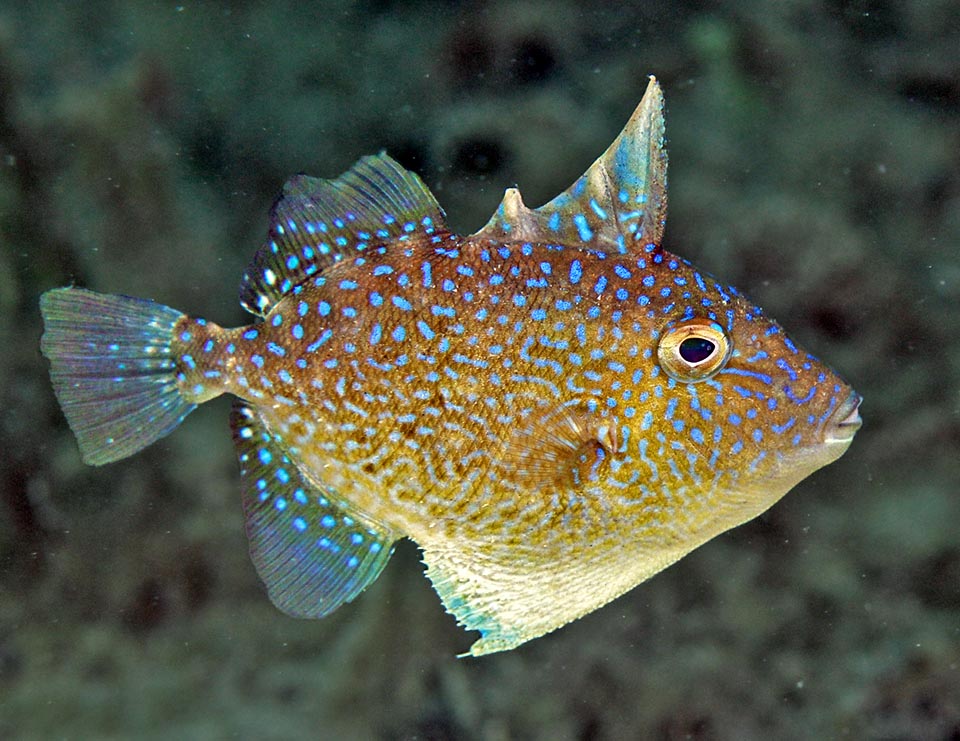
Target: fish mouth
x=845, y=421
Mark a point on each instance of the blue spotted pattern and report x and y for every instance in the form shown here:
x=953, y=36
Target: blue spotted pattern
x=525, y=403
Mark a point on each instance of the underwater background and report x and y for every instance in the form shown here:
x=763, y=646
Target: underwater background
x=814, y=163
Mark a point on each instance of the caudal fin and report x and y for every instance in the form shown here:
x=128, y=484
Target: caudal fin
x=113, y=370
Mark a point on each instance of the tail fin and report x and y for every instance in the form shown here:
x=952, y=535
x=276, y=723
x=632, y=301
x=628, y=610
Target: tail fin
x=113, y=370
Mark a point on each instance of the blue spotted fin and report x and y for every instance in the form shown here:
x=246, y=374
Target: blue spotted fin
x=317, y=222
x=113, y=370
x=621, y=200
x=313, y=554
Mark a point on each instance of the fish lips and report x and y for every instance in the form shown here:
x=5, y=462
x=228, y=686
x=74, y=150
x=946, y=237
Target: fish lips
x=845, y=422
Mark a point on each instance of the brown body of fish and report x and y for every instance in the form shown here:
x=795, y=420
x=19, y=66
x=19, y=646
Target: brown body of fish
x=554, y=408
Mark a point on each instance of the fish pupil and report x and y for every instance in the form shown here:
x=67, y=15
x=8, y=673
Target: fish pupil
x=696, y=349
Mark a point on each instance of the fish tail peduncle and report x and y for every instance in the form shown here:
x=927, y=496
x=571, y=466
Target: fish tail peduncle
x=123, y=368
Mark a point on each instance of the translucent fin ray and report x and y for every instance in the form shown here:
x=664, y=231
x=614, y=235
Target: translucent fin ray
x=312, y=553
x=618, y=204
x=317, y=222
x=113, y=370
x=562, y=446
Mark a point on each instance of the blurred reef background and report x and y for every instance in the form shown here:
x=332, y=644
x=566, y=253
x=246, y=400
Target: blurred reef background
x=815, y=163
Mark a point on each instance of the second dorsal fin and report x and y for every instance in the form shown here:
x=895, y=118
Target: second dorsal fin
x=618, y=204
x=317, y=222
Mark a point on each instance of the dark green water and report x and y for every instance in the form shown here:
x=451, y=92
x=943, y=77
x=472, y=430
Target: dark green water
x=815, y=163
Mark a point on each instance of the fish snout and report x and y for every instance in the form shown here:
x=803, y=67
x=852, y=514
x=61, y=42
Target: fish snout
x=845, y=422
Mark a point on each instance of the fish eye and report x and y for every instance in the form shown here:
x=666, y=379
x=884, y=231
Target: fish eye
x=693, y=350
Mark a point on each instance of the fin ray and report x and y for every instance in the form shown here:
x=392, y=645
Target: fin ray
x=312, y=553
x=317, y=222
x=113, y=370
x=565, y=446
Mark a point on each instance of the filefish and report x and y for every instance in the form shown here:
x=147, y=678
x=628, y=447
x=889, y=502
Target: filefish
x=554, y=408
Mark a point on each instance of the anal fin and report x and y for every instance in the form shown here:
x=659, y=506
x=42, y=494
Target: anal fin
x=312, y=553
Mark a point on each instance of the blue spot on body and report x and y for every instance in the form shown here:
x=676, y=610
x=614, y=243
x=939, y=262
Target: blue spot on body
x=425, y=330
x=576, y=271
x=327, y=334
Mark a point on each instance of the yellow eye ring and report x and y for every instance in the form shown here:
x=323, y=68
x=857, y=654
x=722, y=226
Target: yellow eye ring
x=694, y=350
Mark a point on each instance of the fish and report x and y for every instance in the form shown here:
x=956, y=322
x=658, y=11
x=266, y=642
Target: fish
x=554, y=408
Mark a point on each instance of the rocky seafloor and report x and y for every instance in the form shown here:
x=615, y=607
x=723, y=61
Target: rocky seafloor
x=815, y=163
